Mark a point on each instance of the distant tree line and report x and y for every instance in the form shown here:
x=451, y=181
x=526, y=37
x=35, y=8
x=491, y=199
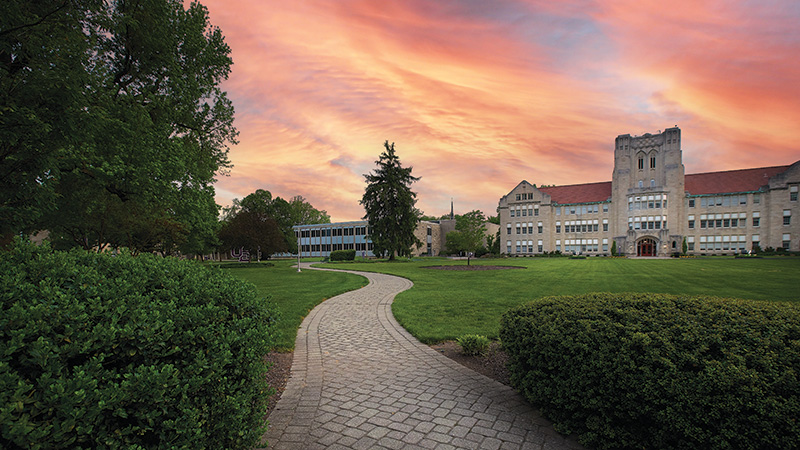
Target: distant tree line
x=262, y=225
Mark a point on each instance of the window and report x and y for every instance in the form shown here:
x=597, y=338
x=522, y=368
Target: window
x=539, y=230
x=786, y=241
x=652, y=162
x=792, y=193
x=756, y=199
x=652, y=183
x=691, y=203
x=558, y=210
x=530, y=228
x=518, y=232
x=508, y=246
x=524, y=212
x=787, y=216
x=756, y=219
x=605, y=207
x=518, y=197
x=508, y=228
x=690, y=243
x=518, y=247
x=539, y=246
x=691, y=223
x=536, y=211
x=641, y=183
x=605, y=226
x=641, y=163
x=558, y=227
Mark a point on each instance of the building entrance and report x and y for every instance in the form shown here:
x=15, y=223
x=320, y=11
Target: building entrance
x=646, y=247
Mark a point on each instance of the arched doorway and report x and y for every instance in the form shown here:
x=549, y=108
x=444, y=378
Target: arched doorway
x=646, y=247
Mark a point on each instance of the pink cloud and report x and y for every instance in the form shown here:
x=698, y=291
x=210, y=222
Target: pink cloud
x=478, y=97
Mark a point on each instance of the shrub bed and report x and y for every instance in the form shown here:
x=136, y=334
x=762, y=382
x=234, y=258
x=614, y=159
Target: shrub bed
x=121, y=352
x=636, y=371
x=343, y=255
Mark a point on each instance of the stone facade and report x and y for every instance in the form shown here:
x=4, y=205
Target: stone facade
x=651, y=206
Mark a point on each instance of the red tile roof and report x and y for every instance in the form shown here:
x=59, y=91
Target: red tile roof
x=744, y=180
x=579, y=193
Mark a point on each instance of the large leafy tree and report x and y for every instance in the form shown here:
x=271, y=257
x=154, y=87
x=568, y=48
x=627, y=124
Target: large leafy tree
x=470, y=233
x=389, y=205
x=121, y=99
x=285, y=214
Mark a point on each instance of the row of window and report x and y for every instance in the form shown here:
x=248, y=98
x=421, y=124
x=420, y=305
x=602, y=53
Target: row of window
x=332, y=247
x=647, y=223
x=647, y=202
x=523, y=229
x=523, y=211
x=328, y=232
x=581, y=209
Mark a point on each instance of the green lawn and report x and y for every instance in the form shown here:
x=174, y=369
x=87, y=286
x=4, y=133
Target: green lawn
x=446, y=304
x=294, y=293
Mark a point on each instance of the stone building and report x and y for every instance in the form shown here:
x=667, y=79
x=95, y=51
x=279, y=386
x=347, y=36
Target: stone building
x=650, y=206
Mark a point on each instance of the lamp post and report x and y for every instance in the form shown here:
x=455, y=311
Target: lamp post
x=298, y=250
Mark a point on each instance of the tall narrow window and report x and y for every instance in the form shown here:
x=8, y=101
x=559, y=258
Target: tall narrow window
x=793, y=193
x=641, y=163
x=652, y=162
x=787, y=216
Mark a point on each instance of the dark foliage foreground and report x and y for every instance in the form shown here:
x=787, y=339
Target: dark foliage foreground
x=647, y=371
x=128, y=352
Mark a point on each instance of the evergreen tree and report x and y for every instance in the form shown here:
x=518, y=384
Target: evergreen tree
x=389, y=205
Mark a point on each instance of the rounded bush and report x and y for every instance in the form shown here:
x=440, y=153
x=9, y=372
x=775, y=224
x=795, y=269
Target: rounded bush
x=343, y=255
x=100, y=351
x=637, y=371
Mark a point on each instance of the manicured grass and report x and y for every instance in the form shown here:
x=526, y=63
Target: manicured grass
x=444, y=305
x=295, y=294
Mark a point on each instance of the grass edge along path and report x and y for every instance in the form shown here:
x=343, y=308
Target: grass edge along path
x=294, y=293
x=444, y=305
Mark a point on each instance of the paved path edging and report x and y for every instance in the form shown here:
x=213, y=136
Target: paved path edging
x=361, y=381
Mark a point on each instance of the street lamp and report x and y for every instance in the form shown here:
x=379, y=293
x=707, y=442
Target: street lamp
x=298, y=251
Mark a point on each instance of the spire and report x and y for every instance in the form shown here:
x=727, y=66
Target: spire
x=451, y=209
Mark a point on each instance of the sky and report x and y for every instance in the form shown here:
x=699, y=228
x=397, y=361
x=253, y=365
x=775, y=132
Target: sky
x=479, y=95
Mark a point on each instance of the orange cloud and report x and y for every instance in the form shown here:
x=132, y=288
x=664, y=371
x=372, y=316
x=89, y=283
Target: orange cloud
x=480, y=95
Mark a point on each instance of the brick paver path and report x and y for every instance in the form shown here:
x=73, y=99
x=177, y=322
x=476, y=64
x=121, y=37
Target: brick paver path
x=360, y=381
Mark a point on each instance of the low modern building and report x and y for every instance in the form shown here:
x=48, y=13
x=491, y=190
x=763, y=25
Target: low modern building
x=319, y=240
x=650, y=206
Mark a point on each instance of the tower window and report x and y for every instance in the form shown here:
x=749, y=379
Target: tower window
x=652, y=162
x=641, y=163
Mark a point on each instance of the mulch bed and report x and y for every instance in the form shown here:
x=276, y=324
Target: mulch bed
x=465, y=267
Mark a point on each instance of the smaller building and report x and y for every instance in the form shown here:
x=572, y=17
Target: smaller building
x=319, y=240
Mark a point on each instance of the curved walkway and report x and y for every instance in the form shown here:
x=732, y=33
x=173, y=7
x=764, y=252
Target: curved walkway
x=360, y=381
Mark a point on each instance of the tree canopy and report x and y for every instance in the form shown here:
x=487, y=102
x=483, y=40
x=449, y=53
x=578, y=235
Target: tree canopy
x=258, y=214
x=469, y=235
x=112, y=122
x=389, y=205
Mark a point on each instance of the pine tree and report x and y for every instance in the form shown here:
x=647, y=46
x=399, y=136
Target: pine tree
x=389, y=205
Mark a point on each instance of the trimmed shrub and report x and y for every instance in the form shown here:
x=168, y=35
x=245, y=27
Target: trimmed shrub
x=473, y=344
x=635, y=371
x=343, y=255
x=128, y=352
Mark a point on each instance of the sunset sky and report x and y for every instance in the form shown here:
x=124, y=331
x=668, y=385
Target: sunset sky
x=478, y=95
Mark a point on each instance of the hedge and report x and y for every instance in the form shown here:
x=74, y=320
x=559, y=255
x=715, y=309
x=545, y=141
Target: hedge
x=343, y=255
x=651, y=371
x=128, y=352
